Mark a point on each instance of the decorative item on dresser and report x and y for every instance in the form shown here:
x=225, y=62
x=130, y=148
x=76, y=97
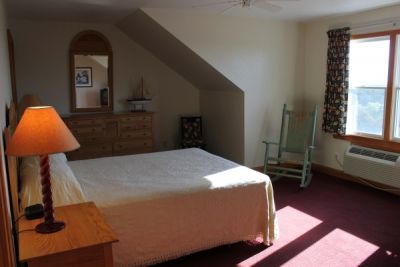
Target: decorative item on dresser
x=139, y=102
x=111, y=134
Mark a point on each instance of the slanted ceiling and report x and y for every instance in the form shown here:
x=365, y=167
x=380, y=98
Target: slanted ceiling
x=221, y=101
x=152, y=36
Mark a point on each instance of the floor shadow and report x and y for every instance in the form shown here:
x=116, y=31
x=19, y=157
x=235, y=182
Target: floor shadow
x=228, y=255
x=363, y=213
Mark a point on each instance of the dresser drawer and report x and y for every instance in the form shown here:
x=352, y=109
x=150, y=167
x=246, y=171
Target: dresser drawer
x=136, y=134
x=134, y=144
x=135, y=126
x=84, y=122
x=92, y=139
x=91, y=151
x=143, y=118
x=88, y=131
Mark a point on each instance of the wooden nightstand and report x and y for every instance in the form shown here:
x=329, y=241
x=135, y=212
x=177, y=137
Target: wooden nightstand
x=84, y=242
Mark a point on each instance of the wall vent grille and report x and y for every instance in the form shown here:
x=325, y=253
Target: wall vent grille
x=373, y=165
x=373, y=154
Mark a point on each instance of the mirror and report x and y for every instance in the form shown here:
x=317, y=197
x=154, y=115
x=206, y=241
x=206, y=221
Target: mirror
x=91, y=73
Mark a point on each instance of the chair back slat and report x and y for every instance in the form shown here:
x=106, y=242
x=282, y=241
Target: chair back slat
x=298, y=131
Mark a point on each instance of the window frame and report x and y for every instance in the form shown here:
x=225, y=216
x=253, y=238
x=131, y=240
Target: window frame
x=388, y=142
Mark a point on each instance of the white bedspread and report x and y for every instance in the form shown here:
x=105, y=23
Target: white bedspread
x=169, y=204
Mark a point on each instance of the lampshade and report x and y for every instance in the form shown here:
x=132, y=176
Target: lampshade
x=41, y=131
x=29, y=101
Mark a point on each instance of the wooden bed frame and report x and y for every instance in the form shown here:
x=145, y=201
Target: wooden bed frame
x=8, y=195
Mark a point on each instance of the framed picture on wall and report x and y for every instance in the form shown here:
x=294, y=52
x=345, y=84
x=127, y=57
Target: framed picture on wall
x=83, y=77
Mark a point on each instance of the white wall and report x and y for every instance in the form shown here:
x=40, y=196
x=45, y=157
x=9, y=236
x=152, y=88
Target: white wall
x=5, y=97
x=42, y=63
x=223, y=120
x=314, y=72
x=5, y=81
x=258, y=56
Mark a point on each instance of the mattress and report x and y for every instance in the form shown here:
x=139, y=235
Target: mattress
x=168, y=204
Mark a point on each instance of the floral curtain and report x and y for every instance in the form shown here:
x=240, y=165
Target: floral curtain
x=337, y=82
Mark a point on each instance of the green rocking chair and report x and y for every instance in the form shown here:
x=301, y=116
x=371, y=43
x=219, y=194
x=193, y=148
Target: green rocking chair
x=297, y=137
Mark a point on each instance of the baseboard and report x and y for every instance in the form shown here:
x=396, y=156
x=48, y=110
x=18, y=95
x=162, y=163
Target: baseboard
x=318, y=168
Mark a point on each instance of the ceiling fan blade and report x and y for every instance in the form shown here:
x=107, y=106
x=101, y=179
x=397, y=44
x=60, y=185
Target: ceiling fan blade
x=267, y=6
x=217, y=3
x=229, y=8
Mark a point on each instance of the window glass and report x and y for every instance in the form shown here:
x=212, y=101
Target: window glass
x=368, y=74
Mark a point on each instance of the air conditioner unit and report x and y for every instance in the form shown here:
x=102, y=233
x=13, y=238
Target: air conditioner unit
x=374, y=165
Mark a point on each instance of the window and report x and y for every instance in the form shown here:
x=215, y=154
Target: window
x=373, y=110
x=396, y=131
x=368, y=74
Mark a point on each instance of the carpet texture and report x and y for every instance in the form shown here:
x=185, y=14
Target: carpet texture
x=331, y=223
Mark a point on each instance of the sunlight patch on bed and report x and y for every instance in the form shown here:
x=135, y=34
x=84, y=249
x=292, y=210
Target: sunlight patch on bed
x=288, y=217
x=238, y=176
x=338, y=248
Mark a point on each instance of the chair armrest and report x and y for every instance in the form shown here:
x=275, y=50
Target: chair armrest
x=270, y=143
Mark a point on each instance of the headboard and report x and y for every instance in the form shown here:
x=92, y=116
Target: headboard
x=8, y=193
x=12, y=162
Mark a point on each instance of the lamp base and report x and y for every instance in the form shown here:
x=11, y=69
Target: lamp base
x=47, y=228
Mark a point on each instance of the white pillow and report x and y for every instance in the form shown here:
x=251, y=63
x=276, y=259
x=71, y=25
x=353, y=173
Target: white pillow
x=59, y=157
x=64, y=185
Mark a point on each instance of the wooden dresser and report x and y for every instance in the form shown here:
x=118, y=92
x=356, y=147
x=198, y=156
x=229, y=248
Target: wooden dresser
x=111, y=134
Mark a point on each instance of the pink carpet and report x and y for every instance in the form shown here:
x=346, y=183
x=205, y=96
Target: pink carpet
x=331, y=223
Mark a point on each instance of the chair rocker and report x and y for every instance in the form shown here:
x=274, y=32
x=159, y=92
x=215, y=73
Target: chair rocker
x=296, y=137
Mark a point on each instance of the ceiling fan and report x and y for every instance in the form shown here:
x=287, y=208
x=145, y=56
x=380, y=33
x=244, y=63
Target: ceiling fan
x=229, y=4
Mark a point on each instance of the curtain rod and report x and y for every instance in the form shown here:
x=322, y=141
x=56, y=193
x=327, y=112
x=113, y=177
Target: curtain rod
x=393, y=22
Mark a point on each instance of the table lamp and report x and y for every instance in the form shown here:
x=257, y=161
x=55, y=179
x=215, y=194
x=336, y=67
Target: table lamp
x=41, y=132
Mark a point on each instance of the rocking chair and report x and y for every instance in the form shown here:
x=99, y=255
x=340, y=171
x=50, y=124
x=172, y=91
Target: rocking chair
x=297, y=137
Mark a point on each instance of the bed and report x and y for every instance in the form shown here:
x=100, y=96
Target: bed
x=162, y=205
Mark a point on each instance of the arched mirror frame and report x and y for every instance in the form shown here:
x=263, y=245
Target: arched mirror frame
x=91, y=42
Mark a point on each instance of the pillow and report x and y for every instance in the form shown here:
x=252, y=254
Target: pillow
x=64, y=185
x=59, y=157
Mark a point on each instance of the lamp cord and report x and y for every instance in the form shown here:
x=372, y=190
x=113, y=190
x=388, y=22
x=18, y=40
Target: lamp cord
x=19, y=217
x=25, y=230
